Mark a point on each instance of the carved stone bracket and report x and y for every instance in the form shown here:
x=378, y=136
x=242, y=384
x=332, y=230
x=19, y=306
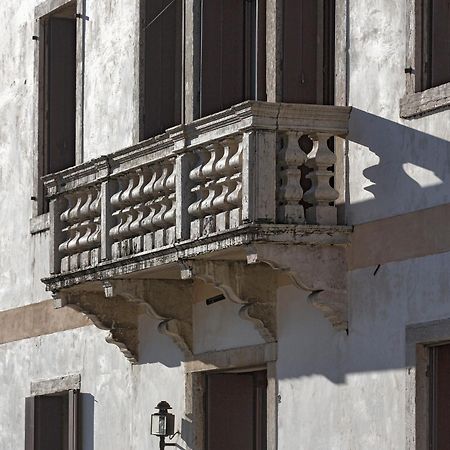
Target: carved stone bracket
x=320, y=270
x=117, y=304
x=252, y=286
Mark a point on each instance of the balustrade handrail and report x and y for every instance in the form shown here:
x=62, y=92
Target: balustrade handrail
x=242, y=165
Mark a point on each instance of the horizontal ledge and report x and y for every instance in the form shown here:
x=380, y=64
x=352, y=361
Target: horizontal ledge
x=311, y=235
x=431, y=100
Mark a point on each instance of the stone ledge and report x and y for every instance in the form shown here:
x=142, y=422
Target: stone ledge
x=420, y=103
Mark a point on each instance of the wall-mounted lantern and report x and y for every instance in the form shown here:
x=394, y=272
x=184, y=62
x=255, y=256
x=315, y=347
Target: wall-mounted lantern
x=162, y=424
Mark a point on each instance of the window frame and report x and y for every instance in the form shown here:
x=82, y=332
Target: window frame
x=241, y=359
x=69, y=386
x=418, y=101
x=39, y=221
x=420, y=338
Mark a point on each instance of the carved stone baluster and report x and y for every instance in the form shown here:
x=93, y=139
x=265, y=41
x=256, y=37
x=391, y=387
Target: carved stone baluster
x=210, y=172
x=290, y=192
x=138, y=197
x=170, y=214
x=129, y=211
x=200, y=191
x=234, y=198
x=150, y=194
x=117, y=204
x=161, y=189
x=321, y=194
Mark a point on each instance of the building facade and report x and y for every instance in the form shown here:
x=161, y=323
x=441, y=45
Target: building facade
x=237, y=207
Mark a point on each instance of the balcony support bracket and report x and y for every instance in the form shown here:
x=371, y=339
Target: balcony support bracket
x=112, y=306
x=251, y=286
x=319, y=270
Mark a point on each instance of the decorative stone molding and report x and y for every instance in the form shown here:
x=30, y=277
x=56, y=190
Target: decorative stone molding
x=117, y=306
x=319, y=270
x=252, y=287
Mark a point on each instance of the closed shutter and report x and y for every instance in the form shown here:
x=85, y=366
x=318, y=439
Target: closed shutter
x=162, y=66
x=223, y=54
x=50, y=418
x=440, y=397
x=73, y=425
x=61, y=70
x=440, y=46
x=236, y=411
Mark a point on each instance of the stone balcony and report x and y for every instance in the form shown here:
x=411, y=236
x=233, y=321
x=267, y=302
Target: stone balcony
x=230, y=199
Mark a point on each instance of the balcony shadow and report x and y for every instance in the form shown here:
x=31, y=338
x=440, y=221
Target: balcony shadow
x=411, y=171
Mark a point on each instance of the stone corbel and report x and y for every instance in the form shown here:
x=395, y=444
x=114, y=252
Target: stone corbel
x=320, y=270
x=169, y=301
x=117, y=304
x=251, y=286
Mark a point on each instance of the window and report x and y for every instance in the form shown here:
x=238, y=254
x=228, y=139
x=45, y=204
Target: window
x=233, y=42
x=51, y=421
x=162, y=66
x=57, y=102
x=439, y=397
x=236, y=411
x=308, y=51
x=435, y=43
x=427, y=58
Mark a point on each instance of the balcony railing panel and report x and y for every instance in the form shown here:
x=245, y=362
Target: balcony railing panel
x=246, y=165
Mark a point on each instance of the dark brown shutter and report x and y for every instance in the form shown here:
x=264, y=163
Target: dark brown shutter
x=440, y=398
x=162, y=66
x=300, y=51
x=440, y=46
x=50, y=422
x=223, y=53
x=61, y=70
x=29, y=423
x=308, y=70
x=236, y=411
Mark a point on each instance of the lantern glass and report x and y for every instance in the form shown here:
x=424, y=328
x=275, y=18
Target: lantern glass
x=162, y=424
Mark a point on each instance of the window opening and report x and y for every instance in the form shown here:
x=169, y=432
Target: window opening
x=233, y=61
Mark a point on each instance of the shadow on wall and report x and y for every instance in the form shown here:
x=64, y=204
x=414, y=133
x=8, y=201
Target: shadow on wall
x=412, y=170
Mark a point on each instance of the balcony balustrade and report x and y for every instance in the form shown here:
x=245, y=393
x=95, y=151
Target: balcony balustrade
x=255, y=173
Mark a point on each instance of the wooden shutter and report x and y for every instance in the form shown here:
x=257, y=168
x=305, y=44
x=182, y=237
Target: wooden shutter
x=50, y=415
x=60, y=108
x=29, y=423
x=162, y=66
x=440, y=397
x=440, y=45
x=73, y=426
x=236, y=411
x=308, y=51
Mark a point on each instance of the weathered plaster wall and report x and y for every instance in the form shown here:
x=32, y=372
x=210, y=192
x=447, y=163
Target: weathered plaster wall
x=111, y=61
x=395, y=165
x=16, y=152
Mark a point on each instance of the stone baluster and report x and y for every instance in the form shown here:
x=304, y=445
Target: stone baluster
x=117, y=205
x=234, y=198
x=290, y=192
x=199, y=190
x=321, y=195
x=170, y=215
x=224, y=170
x=83, y=229
x=161, y=200
x=138, y=197
x=215, y=151
x=130, y=214
x=151, y=195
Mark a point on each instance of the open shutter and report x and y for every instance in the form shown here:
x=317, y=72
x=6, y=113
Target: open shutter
x=162, y=66
x=440, y=45
x=61, y=71
x=29, y=423
x=73, y=427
